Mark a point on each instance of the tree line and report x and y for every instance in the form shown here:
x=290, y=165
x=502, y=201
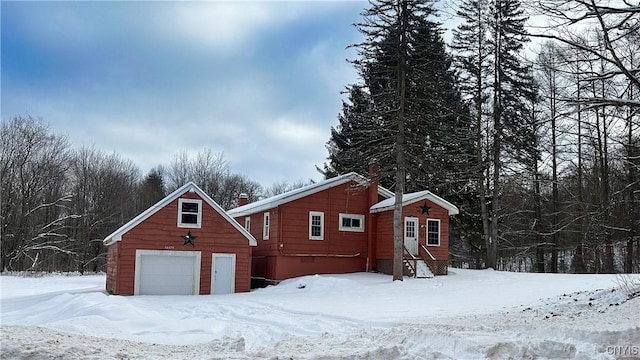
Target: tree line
x=539, y=148
x=57, y=202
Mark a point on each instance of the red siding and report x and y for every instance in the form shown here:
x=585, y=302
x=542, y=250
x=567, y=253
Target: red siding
x=289, y=252
x=384, y=250
x=112, y=268
x=290, y=266
x=160, y=232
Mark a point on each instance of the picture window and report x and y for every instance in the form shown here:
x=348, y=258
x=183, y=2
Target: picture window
x=351, y=222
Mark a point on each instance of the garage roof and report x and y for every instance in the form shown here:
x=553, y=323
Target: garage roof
x=188, y=187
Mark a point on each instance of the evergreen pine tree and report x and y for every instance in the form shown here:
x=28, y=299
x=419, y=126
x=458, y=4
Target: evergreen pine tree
x=499, y=84
x=473, y=62
x=437, y=123
x=513, y=135
x=408, y=113
x=349, y=142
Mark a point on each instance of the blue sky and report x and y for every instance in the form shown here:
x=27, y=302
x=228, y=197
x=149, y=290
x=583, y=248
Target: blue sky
x=259, y=81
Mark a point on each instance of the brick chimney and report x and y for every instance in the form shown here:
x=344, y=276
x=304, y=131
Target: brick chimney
x=243, y=199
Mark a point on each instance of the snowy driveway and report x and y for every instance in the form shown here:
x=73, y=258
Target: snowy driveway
x=468, y=314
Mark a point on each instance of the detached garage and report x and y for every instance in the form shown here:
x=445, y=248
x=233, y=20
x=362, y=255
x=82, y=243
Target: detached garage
x=186, y=244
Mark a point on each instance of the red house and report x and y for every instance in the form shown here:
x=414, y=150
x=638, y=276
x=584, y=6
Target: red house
x=426, y=233
x=184, y=244
x=344, y=224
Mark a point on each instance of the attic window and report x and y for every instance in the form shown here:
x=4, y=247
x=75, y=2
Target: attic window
x=189, y=213
x=351, y=222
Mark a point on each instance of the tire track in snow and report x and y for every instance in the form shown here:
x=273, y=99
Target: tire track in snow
x=262, y=323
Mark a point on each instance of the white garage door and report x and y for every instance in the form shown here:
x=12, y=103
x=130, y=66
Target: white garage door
x=161, y=272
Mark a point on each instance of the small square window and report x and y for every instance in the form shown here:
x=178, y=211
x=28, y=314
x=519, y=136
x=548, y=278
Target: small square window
x=189, y=213
x=351, y=222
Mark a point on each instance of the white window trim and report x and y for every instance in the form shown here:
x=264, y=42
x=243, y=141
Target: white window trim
x=439, y=232
x=311, y=215
x=351, y=216
x=196, y=266
x=247, y=224
x=266, y=224
x=198, y=224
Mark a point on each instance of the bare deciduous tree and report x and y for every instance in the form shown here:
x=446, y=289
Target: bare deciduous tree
x=212, y=174
x=35, y=197
x=610, y=26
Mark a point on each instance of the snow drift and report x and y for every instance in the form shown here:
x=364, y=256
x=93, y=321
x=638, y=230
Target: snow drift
x=465, y=315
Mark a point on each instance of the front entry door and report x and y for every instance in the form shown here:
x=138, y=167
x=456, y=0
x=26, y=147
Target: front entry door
x=411, y=234
x=223, y=277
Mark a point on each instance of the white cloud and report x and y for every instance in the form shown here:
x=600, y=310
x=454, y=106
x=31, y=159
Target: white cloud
x=219, y=25
x=150, y=79
x=330, y=64
x=293, y=134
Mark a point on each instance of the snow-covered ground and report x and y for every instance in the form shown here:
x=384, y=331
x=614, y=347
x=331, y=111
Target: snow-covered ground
x=468, y=314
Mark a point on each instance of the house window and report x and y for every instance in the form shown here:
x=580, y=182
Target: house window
x=433, y=232
x=410, y=228
x=189, y=213
x=351, y=222
x=265, y=227
x=247, y=224
x=316, y=225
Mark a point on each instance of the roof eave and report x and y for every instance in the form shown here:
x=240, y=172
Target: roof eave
x=254, y=210
x=224, y=214
x=296, y=194
x=385, y=192
x=451, y=209
x=191, y=187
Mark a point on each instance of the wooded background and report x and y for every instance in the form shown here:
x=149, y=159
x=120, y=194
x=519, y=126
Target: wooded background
x=538, y=145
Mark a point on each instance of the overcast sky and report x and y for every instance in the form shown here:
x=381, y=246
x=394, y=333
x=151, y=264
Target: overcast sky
x=259, y=81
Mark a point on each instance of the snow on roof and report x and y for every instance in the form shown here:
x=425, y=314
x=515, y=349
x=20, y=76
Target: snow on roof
x=283, y=198
x=411, y=198
x=190, y=187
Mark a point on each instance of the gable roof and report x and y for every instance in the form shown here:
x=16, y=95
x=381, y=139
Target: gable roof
x=411, y=198
x=188, y=187
x=295, y=194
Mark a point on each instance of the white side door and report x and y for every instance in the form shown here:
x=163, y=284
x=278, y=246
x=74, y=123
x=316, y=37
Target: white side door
x=223, y=277
x=411, y=234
